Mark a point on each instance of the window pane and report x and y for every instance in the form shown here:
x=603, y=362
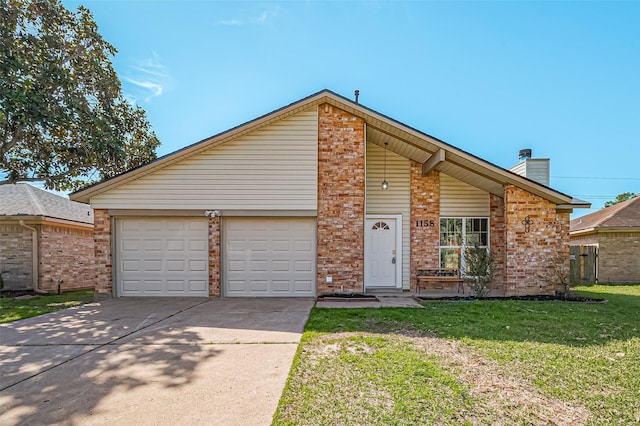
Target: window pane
x=450, y=232
x=450, y=258
x=476, y=232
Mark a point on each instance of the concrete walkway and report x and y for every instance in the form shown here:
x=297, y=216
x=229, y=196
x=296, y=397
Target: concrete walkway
x=382, y=302
x=160, y=361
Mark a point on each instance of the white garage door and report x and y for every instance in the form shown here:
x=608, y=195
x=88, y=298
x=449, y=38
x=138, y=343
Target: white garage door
x=269, y=257
x=162, y=257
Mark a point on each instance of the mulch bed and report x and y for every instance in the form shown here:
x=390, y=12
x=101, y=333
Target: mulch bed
x=17, y=293
x=347, y=297
x=534, y=298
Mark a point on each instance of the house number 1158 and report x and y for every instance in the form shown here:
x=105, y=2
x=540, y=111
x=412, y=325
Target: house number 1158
x=425, y=223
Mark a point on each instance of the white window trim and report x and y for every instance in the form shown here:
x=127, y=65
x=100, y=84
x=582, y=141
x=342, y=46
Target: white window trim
x=463, y=247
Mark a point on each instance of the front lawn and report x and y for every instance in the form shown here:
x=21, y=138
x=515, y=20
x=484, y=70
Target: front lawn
x=481, y=362
x=12, y=309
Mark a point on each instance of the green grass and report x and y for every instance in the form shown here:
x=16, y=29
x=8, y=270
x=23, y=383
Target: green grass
x=403, y=366
x=13, y=310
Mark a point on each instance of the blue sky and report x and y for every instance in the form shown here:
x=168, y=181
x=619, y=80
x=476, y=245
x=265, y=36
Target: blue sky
x=562, y=78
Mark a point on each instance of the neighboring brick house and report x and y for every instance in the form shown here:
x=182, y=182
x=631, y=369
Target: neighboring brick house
x=291, y=204
x=44, y=238
x=615, y=234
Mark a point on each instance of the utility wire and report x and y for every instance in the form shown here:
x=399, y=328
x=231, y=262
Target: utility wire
x=593, y=178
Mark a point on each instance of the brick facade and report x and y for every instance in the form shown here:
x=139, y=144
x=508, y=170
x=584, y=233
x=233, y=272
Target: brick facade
x=66, y=253
x=63, y=252
x=618, y=255
x=16, y=259
x=214, y=257
x=425, y=205
x=497, y=240
x=340, y=236
x=103, y=257
x=535, y=236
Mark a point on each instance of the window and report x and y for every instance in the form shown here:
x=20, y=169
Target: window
x=458, y=233
x=380, y=225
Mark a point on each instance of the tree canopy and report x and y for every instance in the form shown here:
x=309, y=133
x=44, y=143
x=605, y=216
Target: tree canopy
x=620, y=198
x=63, y=117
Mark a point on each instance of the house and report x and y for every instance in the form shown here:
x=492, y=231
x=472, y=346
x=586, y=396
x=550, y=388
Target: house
x=292, y=204
x=45, y=240
x=605, y=245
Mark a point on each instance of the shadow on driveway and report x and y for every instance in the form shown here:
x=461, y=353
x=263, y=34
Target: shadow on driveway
x=150, y=361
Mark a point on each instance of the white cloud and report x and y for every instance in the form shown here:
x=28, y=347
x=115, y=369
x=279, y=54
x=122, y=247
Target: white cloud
x=156, y=89
x=149, y=76
x=231, y=22
x=262, y=18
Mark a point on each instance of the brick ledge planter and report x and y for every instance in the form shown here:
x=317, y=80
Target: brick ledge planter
x=347, y=297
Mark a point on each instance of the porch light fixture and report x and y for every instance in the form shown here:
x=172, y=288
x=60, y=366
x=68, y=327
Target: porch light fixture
x=385, y=184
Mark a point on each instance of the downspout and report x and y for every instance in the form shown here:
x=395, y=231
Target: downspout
x=34, y=256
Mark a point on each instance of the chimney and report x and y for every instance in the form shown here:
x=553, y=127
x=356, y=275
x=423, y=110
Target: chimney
x=537, y=169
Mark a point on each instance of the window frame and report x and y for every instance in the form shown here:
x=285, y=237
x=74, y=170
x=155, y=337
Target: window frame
x=461, y=249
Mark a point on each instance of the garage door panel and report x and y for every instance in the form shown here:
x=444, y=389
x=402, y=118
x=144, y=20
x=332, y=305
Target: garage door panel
x=198, y=285
x=303, y=286
x=303, y=246
x=197, y=245
x=303, y=266
x=269, y=257
x=281, y=266
x=197, y=265
x=162, y=257
x=258, y=266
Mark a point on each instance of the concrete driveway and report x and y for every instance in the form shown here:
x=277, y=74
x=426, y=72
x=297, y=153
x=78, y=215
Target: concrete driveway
x=150, y=362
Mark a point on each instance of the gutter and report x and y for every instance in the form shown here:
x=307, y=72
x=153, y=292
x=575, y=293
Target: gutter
x=34, y=256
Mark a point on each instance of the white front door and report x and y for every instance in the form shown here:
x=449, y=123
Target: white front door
x=382, y=252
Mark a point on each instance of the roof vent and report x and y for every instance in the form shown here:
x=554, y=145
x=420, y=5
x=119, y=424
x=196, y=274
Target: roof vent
x=357, y=94
x=524, y=154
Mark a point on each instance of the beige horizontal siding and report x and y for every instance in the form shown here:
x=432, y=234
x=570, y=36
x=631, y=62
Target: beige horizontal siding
x=274, y=168
x=520, y=169
x=458, y=199
x=395, y=200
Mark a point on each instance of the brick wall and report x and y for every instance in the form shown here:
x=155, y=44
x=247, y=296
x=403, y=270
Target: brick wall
x=497, y=240
x=619, y=257
x=214, y=257
x=425, y=205
x=66, y=253
x=531, y=254
x=16, y=261
x=340, y=243
x=102, y=250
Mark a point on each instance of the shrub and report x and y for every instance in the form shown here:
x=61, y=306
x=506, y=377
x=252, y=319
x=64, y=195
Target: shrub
x=479, y=270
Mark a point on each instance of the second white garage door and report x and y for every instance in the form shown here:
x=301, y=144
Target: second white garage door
x=269, y=257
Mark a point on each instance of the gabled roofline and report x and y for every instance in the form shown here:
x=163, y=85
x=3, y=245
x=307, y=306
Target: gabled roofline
x=327, y=96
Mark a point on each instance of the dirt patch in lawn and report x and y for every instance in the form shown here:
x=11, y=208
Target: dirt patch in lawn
x=509, y=396
x=504, y=397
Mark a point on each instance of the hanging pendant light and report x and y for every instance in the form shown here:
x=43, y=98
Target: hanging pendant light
x=385, y=184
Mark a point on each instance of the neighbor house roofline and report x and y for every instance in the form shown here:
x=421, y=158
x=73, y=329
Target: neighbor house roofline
x=455, y=158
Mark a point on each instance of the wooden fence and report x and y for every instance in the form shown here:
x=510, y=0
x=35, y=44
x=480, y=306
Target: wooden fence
x=583, y=265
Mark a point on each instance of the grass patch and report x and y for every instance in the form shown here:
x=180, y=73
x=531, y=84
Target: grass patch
x=548, y=363
x=13, y=310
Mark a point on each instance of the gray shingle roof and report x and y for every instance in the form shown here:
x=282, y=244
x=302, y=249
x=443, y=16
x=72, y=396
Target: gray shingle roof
x=22, y=199
x=625, y=215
